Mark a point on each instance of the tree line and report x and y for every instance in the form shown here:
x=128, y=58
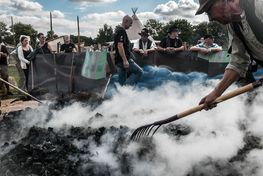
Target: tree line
x=188, y=33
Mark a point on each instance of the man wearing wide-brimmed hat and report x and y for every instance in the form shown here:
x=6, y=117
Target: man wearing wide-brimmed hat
x=171, y=43
x=244, y=20
x=144, y=45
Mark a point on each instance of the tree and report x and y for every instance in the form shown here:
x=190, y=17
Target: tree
x=154, y=27
x=50, y=35
x=87, y=40
x=3, y=29
x=217, y=30
x=24, y=29
x=200, y=30
x=105, y=34
x=6, y=35
x=219, y=33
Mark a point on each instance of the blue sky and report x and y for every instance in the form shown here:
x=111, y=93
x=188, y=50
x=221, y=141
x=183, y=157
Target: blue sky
x=93, y=13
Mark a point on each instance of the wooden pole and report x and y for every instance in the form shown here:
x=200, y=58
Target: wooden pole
x=20, y=90
x=12, y=26
x=78, y=34
x=51, y=25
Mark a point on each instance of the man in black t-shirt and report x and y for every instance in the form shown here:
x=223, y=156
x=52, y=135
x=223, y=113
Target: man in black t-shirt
x=129, y=72
x=3, y=66
x=172, y=43
x=67, y=47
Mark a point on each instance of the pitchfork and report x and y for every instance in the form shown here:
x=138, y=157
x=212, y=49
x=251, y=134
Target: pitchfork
x=147, y=129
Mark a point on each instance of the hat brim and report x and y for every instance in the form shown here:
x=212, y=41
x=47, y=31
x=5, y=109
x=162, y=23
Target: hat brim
x=204, y=7
x=175, y=30
x=145, y=34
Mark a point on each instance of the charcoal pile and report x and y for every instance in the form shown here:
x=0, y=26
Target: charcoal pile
x=84, y=151
x=46, y=152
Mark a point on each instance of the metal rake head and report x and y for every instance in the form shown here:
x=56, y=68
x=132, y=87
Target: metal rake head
x=144, y=131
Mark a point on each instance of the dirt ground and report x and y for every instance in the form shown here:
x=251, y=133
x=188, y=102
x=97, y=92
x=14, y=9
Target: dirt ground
x=10, y=105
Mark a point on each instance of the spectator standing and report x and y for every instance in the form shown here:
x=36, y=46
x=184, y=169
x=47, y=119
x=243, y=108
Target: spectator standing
x=43, y=47
x=4, y=66
x=23, y=51
x=129, y=72
x=67, y=47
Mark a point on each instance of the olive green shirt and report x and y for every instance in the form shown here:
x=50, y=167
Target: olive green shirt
x=239, y=58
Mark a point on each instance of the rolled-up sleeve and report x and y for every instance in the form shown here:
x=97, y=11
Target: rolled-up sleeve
x=239, y=58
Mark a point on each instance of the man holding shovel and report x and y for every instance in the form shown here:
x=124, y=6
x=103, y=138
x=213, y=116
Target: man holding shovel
x=244, y=20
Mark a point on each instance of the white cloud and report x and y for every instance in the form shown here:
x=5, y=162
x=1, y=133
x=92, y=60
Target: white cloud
x=5, y=2
x=89, y=24
x=27, y=5
x=94, y=21
x=57, y=14
x=183, y=9
x=144, y=16
x=170, y=8
x=94, y=1
x=85, y=3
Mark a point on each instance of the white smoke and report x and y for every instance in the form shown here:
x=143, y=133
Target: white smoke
x=215, y=134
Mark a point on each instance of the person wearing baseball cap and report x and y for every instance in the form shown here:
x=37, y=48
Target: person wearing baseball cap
x=245, y=25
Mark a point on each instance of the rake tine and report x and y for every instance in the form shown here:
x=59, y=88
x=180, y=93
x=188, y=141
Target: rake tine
x=134, y=134
x=150, y=130
x=140, y=134
x=156, y=129
x=141, y=131
x=145, y=130
x=137, y=133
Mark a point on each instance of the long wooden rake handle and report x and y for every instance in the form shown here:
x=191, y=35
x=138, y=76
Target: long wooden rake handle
x=224, y=97
x=146, y=129
x=20, y=90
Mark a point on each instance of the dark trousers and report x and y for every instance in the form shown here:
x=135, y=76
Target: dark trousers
x=129, y=76
x=26, y=72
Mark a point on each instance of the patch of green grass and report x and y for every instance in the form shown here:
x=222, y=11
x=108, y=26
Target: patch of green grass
x=12, y=71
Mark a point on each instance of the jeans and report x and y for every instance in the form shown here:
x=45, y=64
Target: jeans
x=131, y=75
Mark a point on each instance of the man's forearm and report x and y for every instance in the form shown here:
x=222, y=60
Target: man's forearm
x=230, y=76
x=150, y=50
x=215, y=49
x=136, y=49
x=4, y=54
x=179, y=49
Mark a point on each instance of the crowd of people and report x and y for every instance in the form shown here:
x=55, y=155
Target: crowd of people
x=129, y=72
x=238, y=15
